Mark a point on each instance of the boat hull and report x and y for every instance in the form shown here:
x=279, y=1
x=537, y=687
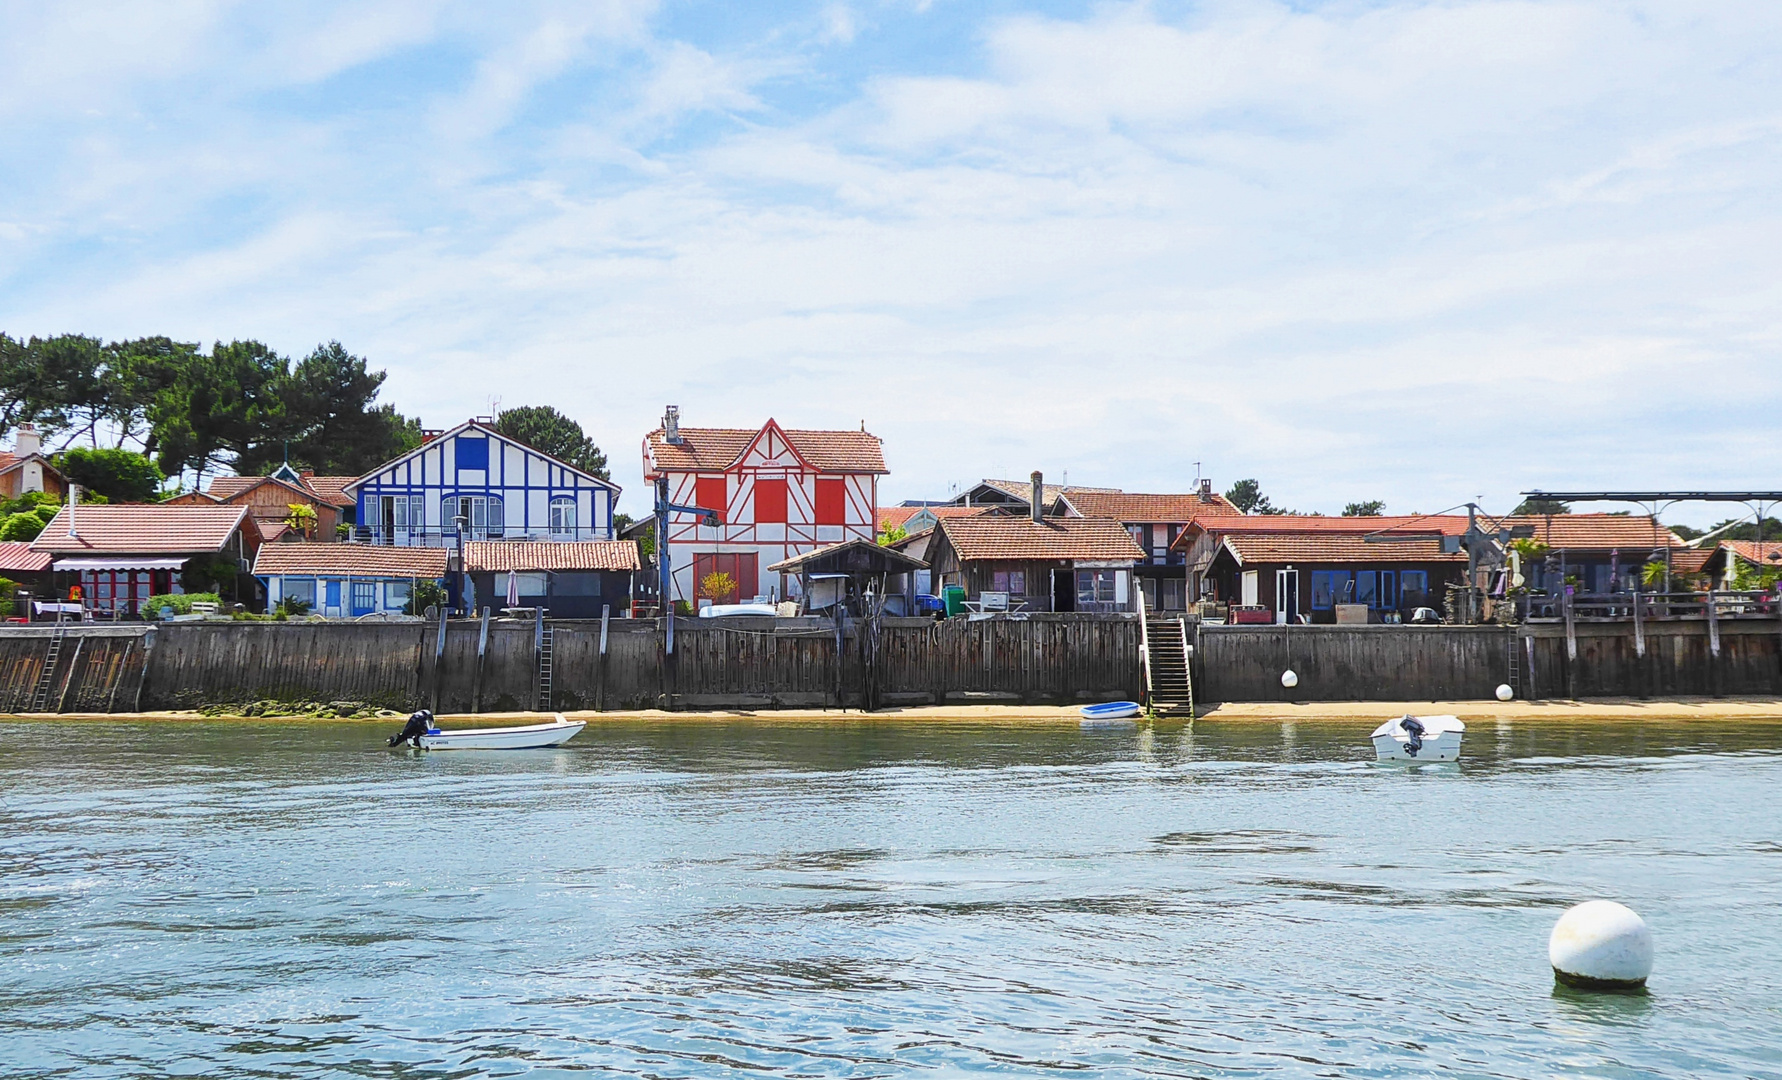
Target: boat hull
x=1443, y=747
x=531, y=737
x=1112, y=710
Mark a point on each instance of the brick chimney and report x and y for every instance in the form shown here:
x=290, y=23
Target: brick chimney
x=1037, y=507
x=1206, y=491
x=26, y=441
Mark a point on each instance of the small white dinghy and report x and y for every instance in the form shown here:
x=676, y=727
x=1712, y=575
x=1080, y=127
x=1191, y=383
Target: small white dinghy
x=1419, y=738
x=420, y=732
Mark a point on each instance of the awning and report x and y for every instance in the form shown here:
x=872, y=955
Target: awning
x=142, y=563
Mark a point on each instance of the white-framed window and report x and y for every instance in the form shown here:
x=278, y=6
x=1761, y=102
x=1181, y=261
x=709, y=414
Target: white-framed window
x=562, y=515
x=396, y=594
x=303, y=589
x=481, y=512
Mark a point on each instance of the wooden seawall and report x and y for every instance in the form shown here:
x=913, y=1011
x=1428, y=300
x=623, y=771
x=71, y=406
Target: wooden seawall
x=780, y=663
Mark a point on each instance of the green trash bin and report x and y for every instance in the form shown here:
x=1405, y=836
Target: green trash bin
x=954, y=596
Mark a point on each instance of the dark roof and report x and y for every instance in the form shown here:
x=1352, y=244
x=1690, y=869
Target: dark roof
x=365, y=560
x=851, y=556
x=994, y=536
x=716, y=449
x=143, y=529
x=482, y=556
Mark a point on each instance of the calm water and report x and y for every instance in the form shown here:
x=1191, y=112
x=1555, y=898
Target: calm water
x=867, y=900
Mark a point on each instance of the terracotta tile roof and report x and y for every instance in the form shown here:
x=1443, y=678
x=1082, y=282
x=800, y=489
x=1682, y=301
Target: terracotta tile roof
x=1332, y=547
x=364, y=560
x=886, y=555
x=330, y=489
x=325, y=489
x=1683, y=560
x=1752, y=551
x=995, y=536
x=1023, y=490
x=527, y=555
x=716, y=449
x=1136, y=508
x=897, y=515
x=17, y=557
x=1584, y=532
x=144, y=529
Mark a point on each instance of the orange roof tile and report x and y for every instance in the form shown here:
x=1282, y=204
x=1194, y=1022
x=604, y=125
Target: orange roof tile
x=365, y=560
x=1137, y=508
x=716, y=449
x=1332, y=547
x=1583, y=532
x=1764, y=553
x=330, y=489
x=997, y=536
x=481, y=556
x=17, y=557
x=143, y=529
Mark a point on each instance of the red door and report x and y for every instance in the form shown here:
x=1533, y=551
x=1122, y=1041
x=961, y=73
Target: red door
x=742, y=567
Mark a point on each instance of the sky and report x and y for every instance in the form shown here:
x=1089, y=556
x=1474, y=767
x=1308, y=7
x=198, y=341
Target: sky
x=1409, y=251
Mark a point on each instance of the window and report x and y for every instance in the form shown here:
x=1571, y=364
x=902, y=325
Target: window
x=1365, y=581
x=1334, y=587
x=482, y=513
x=712, y=493
x=770, y=502
x=303, y=589
x=472, y=453
x=1414, y=588
x=396, y=594
x=832, y=502
x=532, y=583
x=1013, y=582
x=1384, y=599
x=1094, y=587
x=563, y=515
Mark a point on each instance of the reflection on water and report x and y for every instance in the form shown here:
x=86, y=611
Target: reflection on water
x=871, y=899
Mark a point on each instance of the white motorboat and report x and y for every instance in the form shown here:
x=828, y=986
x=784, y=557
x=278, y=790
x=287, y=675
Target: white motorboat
x=1419, y=738
x=420, y=732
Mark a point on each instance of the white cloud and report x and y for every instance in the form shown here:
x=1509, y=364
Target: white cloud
x=1414, y=251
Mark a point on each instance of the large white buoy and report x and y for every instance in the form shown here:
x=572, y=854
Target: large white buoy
x=1504, y=693
x=1289, y=679
x=1601, y=945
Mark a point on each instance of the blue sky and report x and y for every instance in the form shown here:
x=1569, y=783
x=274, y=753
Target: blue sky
x=1409, y=251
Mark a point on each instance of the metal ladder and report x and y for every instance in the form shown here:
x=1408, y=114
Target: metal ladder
x=545, y=634
x=1515, y=667
x=47, y=677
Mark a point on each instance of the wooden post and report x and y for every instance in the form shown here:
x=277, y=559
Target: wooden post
x=1713, y=626
x=482, y=649
x=1639, y=627
x=606, y=611
x=73, y=670
x=148, y=652
x=439, y=658
x=1529, y=648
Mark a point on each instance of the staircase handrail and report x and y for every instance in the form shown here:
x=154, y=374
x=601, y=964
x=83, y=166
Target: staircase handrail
x=1144, y=643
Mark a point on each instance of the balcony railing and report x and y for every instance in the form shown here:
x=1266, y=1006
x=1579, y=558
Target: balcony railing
x=1672, y=605
x=448, y=538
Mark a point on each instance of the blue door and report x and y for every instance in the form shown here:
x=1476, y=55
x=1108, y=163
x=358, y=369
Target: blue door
x=364, y=597
x=331, y=598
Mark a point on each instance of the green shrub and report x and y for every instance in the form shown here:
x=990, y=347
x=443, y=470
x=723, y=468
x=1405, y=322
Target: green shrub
x=290, y=606
x=30, y=501
x=21, y=527
x=425, y=594
x=181, y=603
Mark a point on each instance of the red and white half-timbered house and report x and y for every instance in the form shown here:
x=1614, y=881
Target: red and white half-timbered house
x=781, y=493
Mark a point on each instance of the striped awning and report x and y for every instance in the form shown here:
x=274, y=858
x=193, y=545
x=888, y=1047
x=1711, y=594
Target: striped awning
x=141, y=563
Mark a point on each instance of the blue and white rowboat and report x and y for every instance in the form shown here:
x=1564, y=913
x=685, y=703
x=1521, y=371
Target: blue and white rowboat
x=1111, y=711
x=529, y=737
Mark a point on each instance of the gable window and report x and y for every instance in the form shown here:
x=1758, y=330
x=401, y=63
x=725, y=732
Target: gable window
x=832, y=502
x=472, y=453
x=770, y=502
x=1013, y=582
x=562, y=518
x=712, y=493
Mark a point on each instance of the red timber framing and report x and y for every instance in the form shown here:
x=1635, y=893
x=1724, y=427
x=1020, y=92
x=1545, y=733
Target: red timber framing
x=781, y=494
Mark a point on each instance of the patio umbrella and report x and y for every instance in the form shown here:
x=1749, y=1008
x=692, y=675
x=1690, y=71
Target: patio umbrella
x=1615, y=570
x=513, y=588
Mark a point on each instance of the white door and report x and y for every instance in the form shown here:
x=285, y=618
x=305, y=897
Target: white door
x=1251, y=590
x=1286, y=596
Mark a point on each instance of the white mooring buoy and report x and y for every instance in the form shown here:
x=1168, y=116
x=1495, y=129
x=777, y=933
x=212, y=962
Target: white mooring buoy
x=1504, y=693
x=1289, y=679
x=1601, y=945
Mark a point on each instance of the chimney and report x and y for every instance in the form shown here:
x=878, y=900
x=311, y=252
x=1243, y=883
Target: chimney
x=1038, y=506
x=73, y=501
x=1206, y=490
x=26, y=441
x=671, y=425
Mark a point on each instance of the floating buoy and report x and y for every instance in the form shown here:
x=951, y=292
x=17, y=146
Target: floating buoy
x=1601, y=945
x=1289, y=679
x=1504, y=693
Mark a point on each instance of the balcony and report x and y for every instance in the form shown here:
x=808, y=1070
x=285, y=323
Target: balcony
x=400, y=536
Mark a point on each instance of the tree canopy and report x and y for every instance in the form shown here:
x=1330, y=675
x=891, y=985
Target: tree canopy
x=1370, y=508
x=1247, y=496
x=117, y=474
x=1539, y=507
x=238, y=407
x=550, y=432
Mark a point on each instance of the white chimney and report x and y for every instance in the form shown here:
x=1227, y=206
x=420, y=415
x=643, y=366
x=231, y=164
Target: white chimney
x=1037, y=508
x=26, y=441
x=671, y=425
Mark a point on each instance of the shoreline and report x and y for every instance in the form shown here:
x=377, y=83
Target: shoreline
x=1589, y=709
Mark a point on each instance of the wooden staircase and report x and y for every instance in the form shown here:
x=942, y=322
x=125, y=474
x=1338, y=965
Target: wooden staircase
x=1171, y=682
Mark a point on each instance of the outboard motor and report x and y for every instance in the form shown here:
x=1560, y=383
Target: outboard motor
x=418, y=725
x=1414, y=728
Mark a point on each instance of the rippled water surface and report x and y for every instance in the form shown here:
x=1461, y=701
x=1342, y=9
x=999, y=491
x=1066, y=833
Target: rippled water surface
x=870, y=899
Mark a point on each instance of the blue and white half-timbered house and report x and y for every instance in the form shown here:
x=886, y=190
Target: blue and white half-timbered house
x=499, y=488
